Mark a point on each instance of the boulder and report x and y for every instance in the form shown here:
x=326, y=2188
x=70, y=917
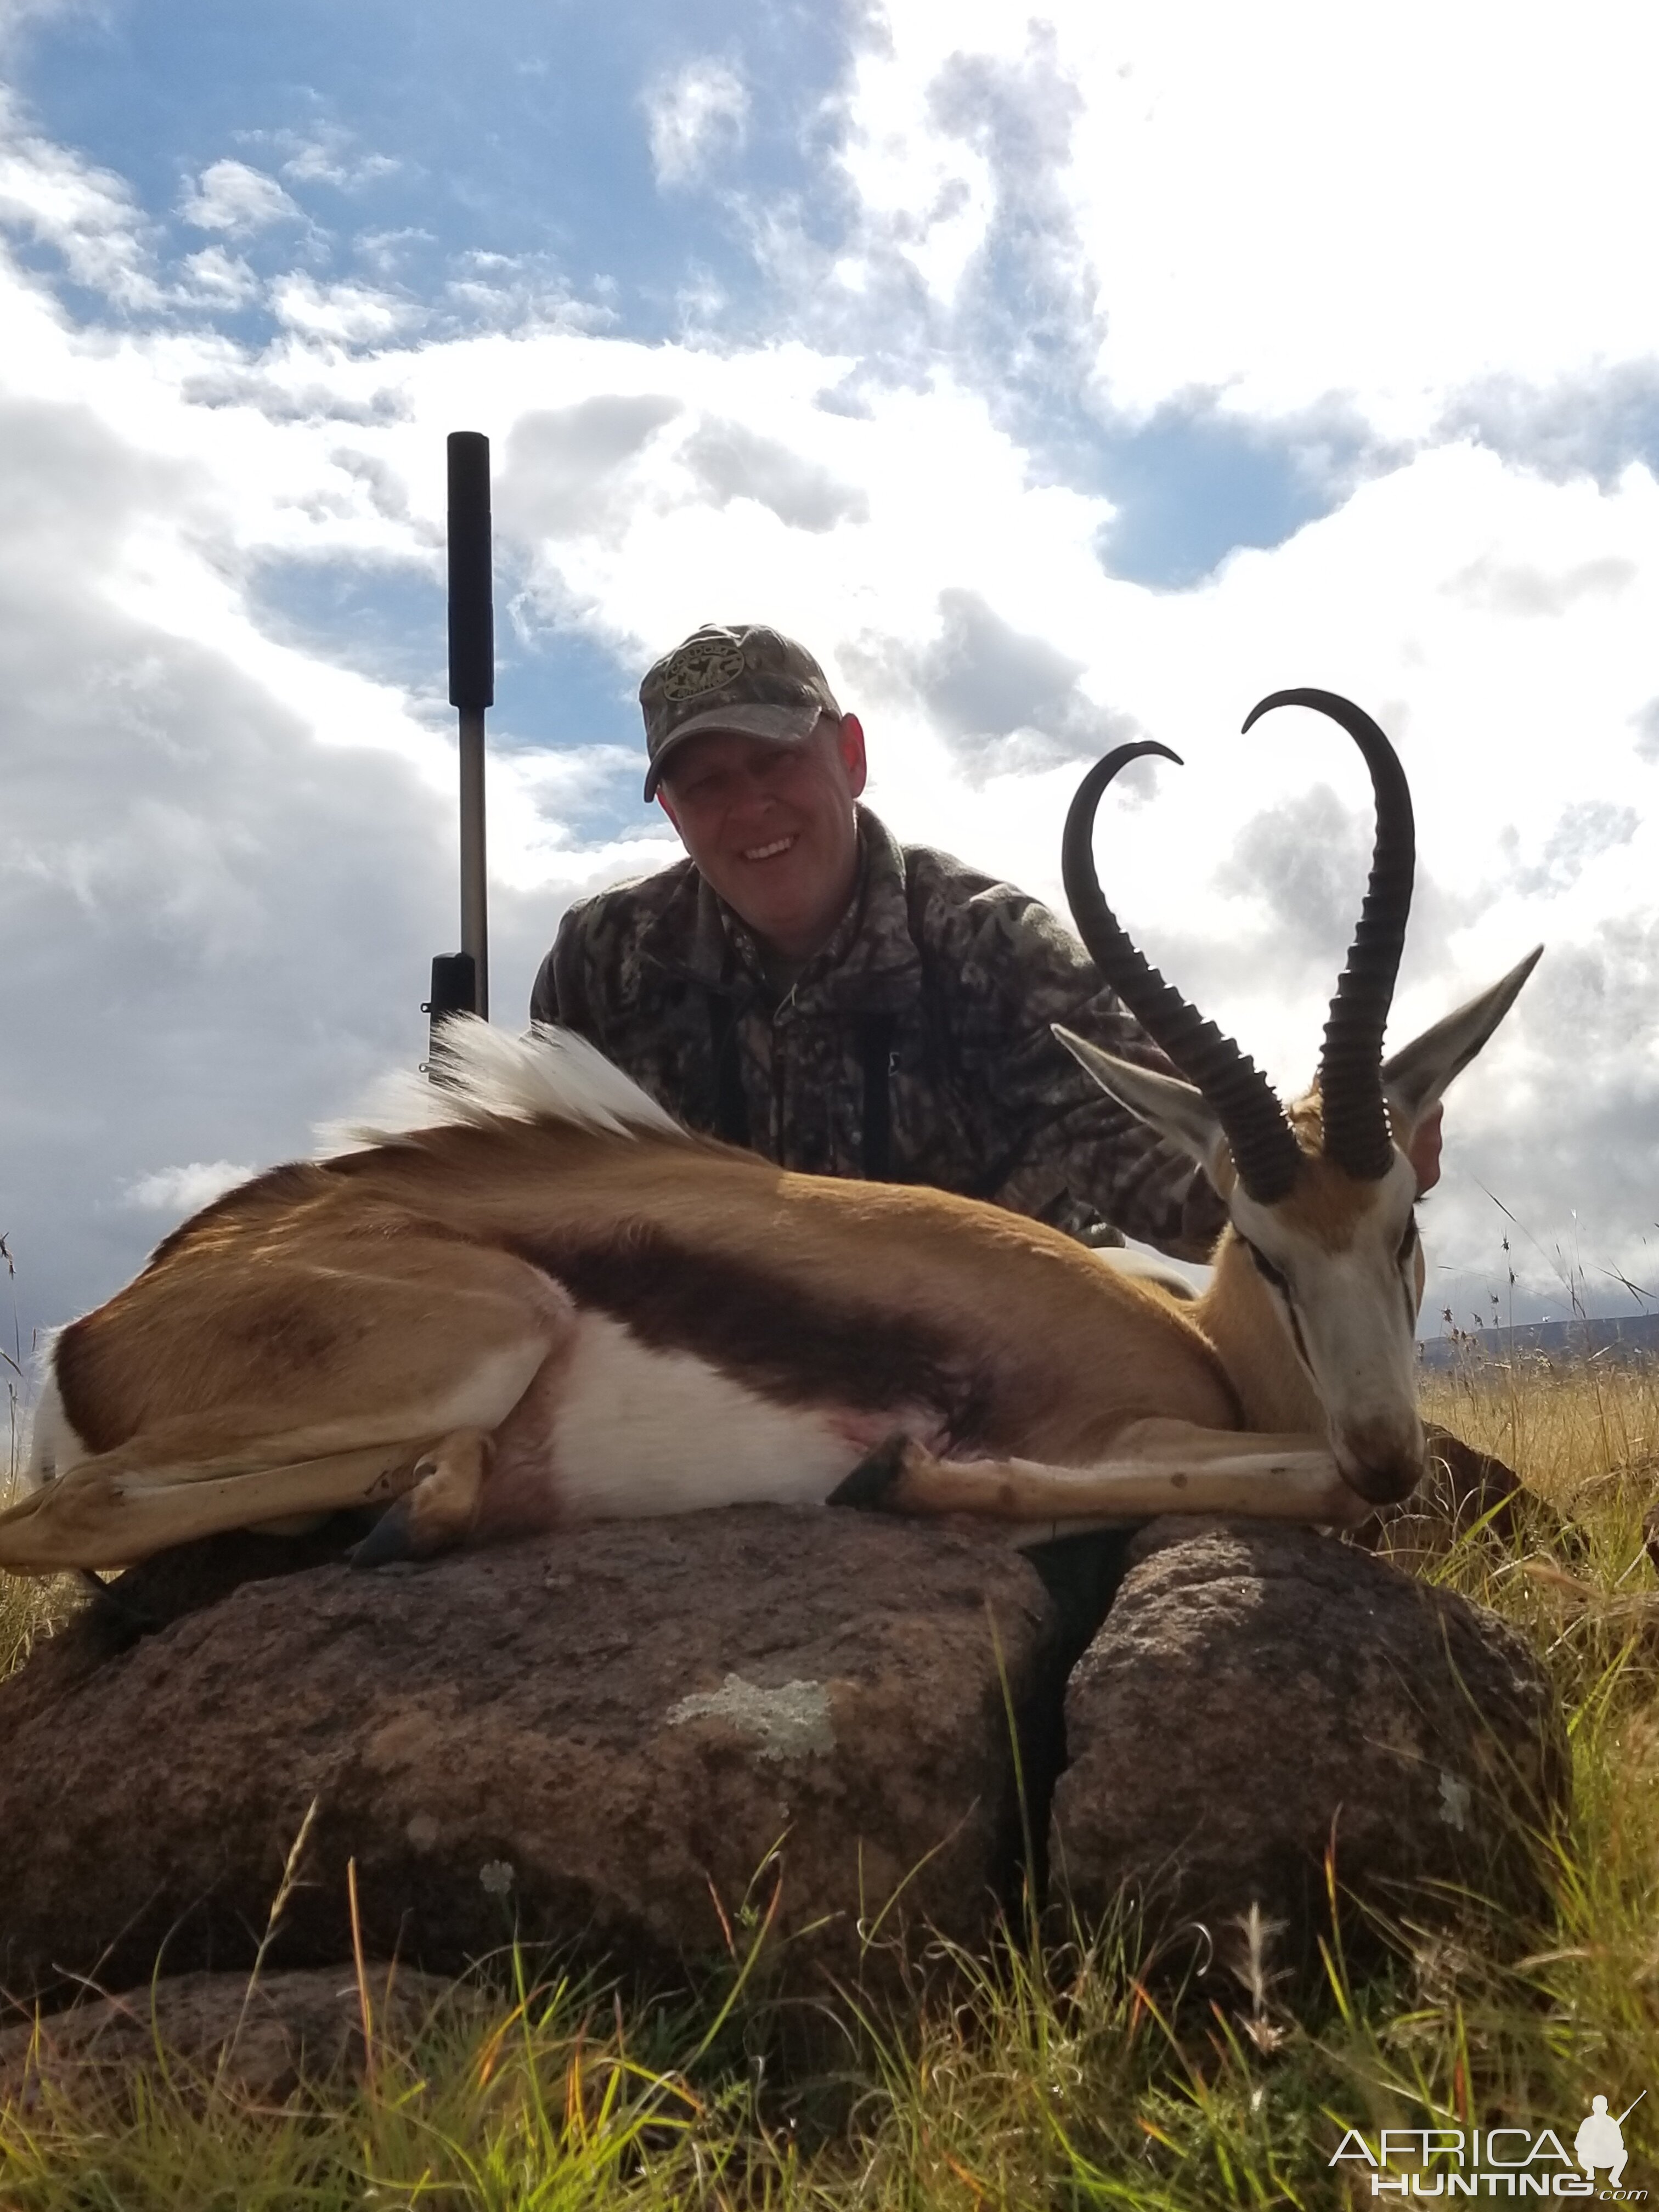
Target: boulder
x=1258, y=1694
x=621, y=1740
x=255, y=2040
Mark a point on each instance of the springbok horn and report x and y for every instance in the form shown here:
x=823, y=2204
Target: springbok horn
x=1350, y=1060
x=1265, y=1153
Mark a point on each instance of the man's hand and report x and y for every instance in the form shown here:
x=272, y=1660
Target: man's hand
x=1424, y=1150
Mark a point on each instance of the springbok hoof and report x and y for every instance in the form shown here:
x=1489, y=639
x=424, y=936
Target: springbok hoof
x=439, y=1514
x=389, y=1541
x=867, y=1487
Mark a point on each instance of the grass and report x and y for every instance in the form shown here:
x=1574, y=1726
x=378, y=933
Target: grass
x=1046, y=2076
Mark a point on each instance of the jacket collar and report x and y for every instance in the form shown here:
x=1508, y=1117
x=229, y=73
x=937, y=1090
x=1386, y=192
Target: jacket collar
x=871, y=964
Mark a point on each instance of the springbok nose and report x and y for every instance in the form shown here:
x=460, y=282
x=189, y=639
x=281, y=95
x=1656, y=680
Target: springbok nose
x=1383, y=1463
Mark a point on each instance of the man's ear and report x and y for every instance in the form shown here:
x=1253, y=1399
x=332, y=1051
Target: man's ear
x=668, y=807
x=850, y=743
x=1176, y=1110
x=1414, y=1078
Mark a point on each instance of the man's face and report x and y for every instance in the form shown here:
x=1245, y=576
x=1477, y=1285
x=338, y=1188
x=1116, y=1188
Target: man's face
x=771, y=827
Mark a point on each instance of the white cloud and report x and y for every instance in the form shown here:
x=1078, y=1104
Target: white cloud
x=16, y=15
x=731, y=461
x=696, y=118
x=922, y=189
x=1470, y=204
x=328, y=157
x=518, y=292
x=228, y=195
x=87, y=215
x=218, y=279
x=570, y=470
x=387, y=250
x=351, y=314
x=184, y=1190
x=207, y=863
x=1278, y=204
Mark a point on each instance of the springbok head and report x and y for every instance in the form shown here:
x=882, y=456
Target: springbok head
x=1322, y=1197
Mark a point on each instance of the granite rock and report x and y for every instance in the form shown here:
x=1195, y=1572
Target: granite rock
x=620, y=1741
x=1258, y=1695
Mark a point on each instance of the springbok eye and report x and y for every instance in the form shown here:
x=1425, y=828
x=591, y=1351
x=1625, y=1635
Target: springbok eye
x=1264, y=1267
x=1407, y=1242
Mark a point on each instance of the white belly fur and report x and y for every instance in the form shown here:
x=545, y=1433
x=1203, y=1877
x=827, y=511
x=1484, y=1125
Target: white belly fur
x=638, y=1432
x=54, y=1447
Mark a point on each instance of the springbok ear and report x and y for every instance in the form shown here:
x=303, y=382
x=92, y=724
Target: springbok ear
x=1414, y=1078
x=1180, y=1114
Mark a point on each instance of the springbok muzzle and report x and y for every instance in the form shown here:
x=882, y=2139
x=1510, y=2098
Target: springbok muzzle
x=1383, y=1460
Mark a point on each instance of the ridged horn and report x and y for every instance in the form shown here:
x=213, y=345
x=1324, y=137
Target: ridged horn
x=1351, y=1060
x=1265, y=1150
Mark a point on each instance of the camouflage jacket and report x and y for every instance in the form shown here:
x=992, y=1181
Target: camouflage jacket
x=915, y=1047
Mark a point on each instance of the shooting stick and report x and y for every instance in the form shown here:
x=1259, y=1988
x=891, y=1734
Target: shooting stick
x=460, y=982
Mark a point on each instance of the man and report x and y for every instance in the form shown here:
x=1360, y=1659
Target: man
x=803, y=985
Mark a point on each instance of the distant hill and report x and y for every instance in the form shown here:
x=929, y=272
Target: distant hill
x=1634, y=1338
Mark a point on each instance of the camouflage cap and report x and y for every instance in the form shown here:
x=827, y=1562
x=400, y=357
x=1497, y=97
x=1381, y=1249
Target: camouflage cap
x=742, y=678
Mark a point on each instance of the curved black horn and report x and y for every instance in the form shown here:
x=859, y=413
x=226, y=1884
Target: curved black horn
x=1265, y=1152
x=1351, y=1061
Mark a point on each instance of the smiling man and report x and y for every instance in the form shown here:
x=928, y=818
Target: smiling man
x=804, y=985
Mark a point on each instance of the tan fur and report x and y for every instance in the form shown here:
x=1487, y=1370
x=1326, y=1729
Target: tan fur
x=1275, y=1395
x=213, y=1327
x=1328, y=1207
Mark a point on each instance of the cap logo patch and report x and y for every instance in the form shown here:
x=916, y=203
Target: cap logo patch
x=697, y=668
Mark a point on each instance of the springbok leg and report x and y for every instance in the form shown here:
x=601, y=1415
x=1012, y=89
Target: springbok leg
x=442, y=1338
x=99, y=1516
x=1156, y=1467
x=441, y=1510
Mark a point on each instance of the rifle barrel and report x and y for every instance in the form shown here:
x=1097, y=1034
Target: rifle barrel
x=471, y=678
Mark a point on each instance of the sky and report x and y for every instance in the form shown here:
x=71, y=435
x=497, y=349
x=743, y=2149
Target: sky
x=1056, y=374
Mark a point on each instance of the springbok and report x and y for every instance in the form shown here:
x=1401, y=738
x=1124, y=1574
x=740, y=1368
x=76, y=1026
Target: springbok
x=541, y=1303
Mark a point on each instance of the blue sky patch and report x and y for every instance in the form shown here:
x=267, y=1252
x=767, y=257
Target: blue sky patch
x=1192, y=486
x=412, y=134
x=387, y=624
x=555, y=690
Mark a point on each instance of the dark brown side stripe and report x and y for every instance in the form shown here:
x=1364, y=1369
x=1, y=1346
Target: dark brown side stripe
x=760, y=1328
x=75, y=1365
